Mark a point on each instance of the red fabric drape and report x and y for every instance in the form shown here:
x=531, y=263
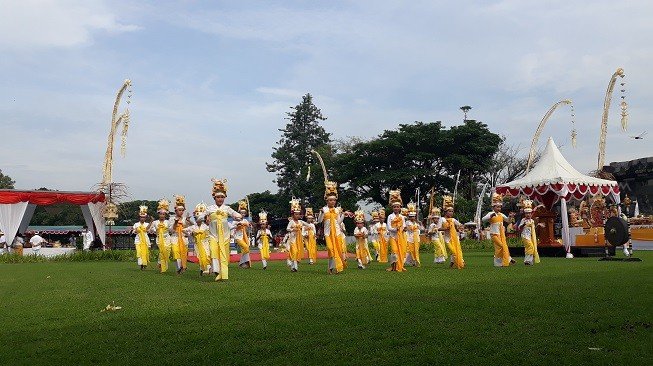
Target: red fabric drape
x=50, y=197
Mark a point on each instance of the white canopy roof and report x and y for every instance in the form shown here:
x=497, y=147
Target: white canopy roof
x=553, y=168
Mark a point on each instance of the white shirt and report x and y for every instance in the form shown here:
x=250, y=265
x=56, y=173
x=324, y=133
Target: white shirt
x=327, y=222
x=36, y=241
x=292, y=224
x=379, y=225
x=361, y=231
x=306, y=228
x=524, y=224
x=213, y=224
x=411, y=228
x=445, y=234
x=433, y=229
x=391, y=230
x=87, y=239
x=495, y=227
x=259, y=239
x=374, y=234
x=171, y=225
x=237, y=230
x=137, y=239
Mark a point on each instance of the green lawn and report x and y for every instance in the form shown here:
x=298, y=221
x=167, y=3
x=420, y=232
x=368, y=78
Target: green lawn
x=555, y=312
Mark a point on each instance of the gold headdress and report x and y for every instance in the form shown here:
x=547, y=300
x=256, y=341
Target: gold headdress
x=219, y=187
x=395, y=197
x=142, y=211
x=242, y=205
x=412, y=208
x=180, y=201
x=359, y=216
x=435, y=212
x=527, y=205
x=309, y=212
x=497, y=199
x=447, y=203
x=381, y=213
x=295, y=206
x=200, y=210
x=404, y=211
x=330, y=189
x=375, y=215
x=262, y=217
x=164, y=206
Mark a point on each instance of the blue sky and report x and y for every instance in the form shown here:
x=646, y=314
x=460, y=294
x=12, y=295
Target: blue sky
x=213, y=80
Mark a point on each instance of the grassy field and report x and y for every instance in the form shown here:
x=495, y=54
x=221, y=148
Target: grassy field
x=562, y=311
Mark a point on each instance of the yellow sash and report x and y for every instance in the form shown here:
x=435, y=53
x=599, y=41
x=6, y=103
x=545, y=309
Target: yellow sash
x=455, y=244
x=337, y=251
x=536, y=255
x=502, y=231
x=265, y=246
x=142, y=238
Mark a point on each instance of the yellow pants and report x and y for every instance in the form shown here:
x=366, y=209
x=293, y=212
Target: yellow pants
x=501, y=250
x=383, y=251
x=244, y=248
x=202, y=256
x=164, y=255
x=414, y=252
x=440, y=250
x=311, y=248
x=180, y=251
x=334, y=251
x=399, y=251
x=362, y=253
x=220, y=250
x=376, y=246
x=143, y=253
x=295, y=250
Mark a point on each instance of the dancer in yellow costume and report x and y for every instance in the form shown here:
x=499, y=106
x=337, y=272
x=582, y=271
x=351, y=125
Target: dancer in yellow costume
x=160, y=229
x=200, y=234
x=295, y=230
x=240, y=232
x=396, y=228
x=382, y=232
x=219, y=230
x=361, y=234
x=331, y=217
x=178, y=224
x=141, y=241
x=413, y=231
x=528, y=237
x=343, y=240
x=309, y=236
x=497, y=232
x=436, y=236
x=374, y=234
x=450, y=227
x=263, y=237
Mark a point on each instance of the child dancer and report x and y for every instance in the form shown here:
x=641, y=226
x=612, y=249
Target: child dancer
x=436, y=236
x=396, y=226
x=361, y=233
x=240, y=227
x=331, y=216
x=219, y=237
x=160, y=229
x=449, y=227
x=200, y=233
x=295, y=237
x=497, y=232
x=309, y=235
x=178, y=233
x=528, y=237
x=413, y=230
x=263, y=238
x=141, y=241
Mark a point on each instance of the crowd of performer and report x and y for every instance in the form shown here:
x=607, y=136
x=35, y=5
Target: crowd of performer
x=395, y=240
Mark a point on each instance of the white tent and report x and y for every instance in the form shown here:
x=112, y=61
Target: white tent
x=553, y=179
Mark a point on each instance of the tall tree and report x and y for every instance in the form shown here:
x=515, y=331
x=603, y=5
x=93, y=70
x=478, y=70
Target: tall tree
x=470, y=148
x=292, y=156
x=6, y=182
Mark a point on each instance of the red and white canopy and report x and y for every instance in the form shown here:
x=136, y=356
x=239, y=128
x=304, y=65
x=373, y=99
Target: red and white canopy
x=17, y=208
x=553, y=178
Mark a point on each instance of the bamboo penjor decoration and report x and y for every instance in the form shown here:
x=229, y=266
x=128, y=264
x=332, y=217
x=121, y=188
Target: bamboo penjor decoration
x=116, y=120
x=606, y=109
x=540, y=127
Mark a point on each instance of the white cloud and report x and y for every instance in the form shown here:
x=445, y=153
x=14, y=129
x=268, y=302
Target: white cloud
x=33, y=24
